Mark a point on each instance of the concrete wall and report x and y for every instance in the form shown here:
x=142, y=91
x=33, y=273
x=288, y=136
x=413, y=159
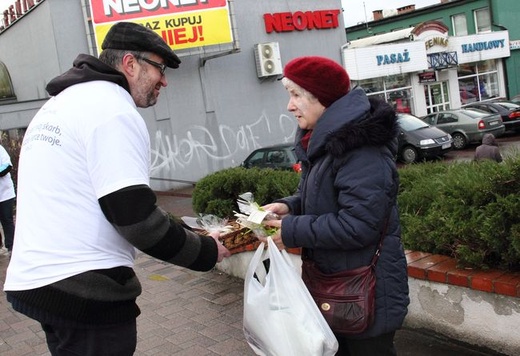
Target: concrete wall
x=474, y=317
x=222, y=111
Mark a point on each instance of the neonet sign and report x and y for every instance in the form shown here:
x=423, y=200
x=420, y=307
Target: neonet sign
x=300, y=21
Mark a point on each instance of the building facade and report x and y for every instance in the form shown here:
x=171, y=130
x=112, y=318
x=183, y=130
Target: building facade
x=438, y=57
x=222, y=103
x=225, y=100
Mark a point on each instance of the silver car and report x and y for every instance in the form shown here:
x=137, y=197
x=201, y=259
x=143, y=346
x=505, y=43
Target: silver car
x=466, y=126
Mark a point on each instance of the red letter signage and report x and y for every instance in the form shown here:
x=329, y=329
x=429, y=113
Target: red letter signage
x=300, y=21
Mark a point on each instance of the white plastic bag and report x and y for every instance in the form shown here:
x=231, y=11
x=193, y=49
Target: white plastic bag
x=280, y=316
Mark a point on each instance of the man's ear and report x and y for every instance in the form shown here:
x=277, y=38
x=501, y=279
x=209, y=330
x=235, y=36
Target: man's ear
x=129, y=65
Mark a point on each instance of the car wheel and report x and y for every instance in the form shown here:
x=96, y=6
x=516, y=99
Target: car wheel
x=459, y=141
x=409, y=155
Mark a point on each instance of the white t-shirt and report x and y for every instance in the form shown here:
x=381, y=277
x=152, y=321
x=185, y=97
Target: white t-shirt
x=6, y=183
x=83, y=144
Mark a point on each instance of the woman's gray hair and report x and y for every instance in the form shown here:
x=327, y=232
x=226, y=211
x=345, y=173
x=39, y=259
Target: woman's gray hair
x=289, y=84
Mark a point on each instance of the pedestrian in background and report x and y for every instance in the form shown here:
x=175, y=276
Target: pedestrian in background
x=347, y=195
x=7, y=197
x=85, y=204
x=488, y=150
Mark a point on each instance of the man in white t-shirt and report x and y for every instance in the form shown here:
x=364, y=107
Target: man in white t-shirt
x=7, y=196
x=84, y=202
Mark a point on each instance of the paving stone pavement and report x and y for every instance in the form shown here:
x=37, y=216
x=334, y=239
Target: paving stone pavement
x=183, y=313
x=187, y=313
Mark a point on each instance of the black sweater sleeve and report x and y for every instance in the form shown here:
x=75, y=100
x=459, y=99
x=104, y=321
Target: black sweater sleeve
x=135, y=215
x=6, y=170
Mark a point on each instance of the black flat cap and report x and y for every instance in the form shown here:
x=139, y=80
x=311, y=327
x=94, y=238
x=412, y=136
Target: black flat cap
x=134, y=37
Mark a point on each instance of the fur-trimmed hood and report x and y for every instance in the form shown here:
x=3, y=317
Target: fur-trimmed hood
x=352, y=122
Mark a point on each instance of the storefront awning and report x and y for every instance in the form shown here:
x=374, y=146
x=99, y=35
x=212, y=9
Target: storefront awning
x=389, y=37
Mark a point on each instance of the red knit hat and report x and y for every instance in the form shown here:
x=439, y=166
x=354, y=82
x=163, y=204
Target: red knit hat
x=322, y=77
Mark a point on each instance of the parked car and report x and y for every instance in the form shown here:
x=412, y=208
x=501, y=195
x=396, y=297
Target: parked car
x=466, y=125
x=418, y=140
x=509, y=111
x=276, y=157
x=516, y=99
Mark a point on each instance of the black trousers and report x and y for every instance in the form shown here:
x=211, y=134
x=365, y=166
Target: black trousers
x=6, y=219
x=105, y=340
x=382, y=345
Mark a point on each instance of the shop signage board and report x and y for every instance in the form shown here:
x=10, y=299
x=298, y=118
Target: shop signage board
x=427, y=77
x=434, y=35
x=481, y=47
x=301, y=20
x=182, y=23
x=383, y=60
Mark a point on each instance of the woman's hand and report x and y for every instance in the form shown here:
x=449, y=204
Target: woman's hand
x=277, y=236
x=278, y=208
x=223, y=252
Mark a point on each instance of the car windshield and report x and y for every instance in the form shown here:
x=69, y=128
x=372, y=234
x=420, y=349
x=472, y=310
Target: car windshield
x=410, y=123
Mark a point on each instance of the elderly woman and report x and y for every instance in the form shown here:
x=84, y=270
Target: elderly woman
x=346, y=198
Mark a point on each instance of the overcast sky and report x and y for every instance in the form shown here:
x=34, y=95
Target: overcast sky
x=355, y=10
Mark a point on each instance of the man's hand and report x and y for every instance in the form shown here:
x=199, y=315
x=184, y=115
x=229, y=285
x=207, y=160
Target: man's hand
x=223, y=252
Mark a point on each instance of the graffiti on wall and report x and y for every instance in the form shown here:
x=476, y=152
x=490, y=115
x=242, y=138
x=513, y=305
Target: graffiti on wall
x=200, y=144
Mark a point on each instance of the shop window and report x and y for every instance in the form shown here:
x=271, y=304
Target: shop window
x=394, y=89
x=486, y=66
x=6, y=86
x=478, y=81
x=467, y=92
x=466, y=69
x=482, y=20
x=400, y=100
x=460, y=27
x=373, y=85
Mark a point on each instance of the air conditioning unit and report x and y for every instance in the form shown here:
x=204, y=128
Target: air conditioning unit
x=268, y=61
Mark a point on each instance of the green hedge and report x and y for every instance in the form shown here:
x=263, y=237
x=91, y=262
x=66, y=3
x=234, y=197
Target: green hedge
x=466, y=210
x=217, y=193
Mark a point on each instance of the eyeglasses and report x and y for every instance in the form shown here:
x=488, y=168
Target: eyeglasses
x=162, y=67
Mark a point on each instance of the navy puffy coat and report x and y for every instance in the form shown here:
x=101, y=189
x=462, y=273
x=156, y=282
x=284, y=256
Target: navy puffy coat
x=348, y=188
